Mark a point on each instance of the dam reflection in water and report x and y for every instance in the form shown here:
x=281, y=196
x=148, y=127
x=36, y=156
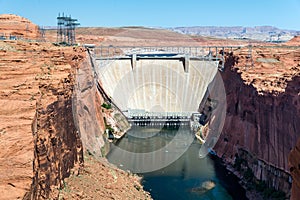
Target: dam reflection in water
x=173, y=154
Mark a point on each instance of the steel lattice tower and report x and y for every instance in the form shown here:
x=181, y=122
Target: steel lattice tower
x=66, y=29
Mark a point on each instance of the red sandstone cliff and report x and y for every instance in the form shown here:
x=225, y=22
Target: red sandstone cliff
x=58, y=150
x=29, y=72
x=18, y=26
x=263, y=112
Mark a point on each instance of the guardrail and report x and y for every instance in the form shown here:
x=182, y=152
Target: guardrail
x=193, y=51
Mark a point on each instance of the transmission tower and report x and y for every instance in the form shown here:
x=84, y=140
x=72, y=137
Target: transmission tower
x=66, y=29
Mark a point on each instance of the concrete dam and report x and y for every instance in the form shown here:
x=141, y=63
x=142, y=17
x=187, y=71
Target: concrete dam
x=158, y=84
x=177, y=86
x=144, y=82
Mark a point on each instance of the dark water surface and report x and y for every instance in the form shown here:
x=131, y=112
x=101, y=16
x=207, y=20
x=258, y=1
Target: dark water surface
x=171, y=168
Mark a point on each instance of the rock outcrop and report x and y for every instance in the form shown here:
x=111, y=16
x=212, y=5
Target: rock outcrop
x=294, y=42
x=20, y=27
x=263, y=113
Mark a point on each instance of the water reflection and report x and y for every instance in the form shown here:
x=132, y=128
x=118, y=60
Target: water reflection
x=146, y=150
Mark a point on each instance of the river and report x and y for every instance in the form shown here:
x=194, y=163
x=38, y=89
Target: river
x=168, y=160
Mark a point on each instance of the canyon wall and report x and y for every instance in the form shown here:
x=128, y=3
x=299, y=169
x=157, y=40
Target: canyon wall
x=260, y=128
x=64, y=129
x=58, y=149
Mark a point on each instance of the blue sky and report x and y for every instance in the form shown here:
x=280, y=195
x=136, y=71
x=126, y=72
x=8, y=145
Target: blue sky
x=161, y=13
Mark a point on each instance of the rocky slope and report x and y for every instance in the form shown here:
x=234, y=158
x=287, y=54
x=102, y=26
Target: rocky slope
x=100, y=180
x=263, y=112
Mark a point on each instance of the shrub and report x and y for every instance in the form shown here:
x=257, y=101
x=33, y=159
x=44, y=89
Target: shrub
x=107, y=106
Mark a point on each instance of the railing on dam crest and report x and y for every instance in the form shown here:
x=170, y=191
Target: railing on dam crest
x=207, y=53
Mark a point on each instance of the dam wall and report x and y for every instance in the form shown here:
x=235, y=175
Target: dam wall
x=156, y=85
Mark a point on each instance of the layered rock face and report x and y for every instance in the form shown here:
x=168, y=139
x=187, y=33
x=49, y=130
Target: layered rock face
x=294, y=163
x=30, y=72
x=58, y=147
x=18, y=26
x=263, y=113
x=58, y=150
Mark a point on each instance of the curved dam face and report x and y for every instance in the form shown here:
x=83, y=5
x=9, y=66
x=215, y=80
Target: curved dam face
x=156, y=85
